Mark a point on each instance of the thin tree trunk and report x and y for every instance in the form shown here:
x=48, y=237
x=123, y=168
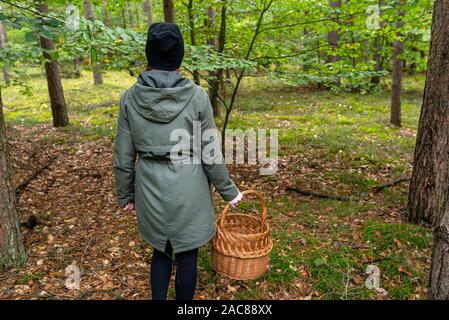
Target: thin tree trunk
x=130, y=14
x=76, y=61
x=428, y=199
x=378, y=45
x=88, y=12
x=148, y=12
x=6, y=74
x=413, y=65
x=77, y=67
x=96, y=67
x=396, y=84
x=169, y=11
x=106, y=15
x=216, y=75
x=196, y=75
x=123, y=15
x=266, y=6
x=137, y=16
x=210, y=24
x=12, y=251
x=306, y=32
x=55, y=89
x=333, y=36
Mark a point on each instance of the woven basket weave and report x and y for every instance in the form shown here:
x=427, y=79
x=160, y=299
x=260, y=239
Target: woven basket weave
x=241, y=247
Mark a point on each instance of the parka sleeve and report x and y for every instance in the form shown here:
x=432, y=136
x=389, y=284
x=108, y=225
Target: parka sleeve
x=124, y=159
x=216, y=170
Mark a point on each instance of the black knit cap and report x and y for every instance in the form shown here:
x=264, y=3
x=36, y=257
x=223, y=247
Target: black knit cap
x=165, y=46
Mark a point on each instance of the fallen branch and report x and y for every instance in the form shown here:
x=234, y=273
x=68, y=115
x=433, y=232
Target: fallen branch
x=320, y=195
x=391, y=184
x=47, y=188
x=375, y=189
x=378, y=259
x=21, y=187
x=87, y=172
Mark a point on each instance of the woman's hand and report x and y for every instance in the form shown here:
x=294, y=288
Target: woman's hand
x=236, y=200
x=129, y=207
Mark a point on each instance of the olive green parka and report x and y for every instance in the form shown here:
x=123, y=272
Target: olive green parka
x=173, y=199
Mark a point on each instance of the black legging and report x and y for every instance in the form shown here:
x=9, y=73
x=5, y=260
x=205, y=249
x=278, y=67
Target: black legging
x=161, y=269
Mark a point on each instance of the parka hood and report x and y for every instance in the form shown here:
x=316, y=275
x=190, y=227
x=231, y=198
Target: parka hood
x=161, y=95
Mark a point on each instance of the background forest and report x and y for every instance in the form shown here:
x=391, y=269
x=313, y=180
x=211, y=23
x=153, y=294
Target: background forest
x=342, y=81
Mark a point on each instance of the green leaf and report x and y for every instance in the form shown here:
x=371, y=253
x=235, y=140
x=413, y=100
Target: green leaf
x=93, y=56
x=46, y=34
x=318, y=262
x=31, y=36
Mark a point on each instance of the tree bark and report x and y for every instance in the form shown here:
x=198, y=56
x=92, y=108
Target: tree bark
x=333, y=36
x=6, y=74
x=378, y=45
x=169, y=11
x=137, y=14
x=123, y=16
x=217, y=75
x=130, y=14
x=428, y=200
x=196, y=75
x=106, y=15
x=148, y=11
x=210, y=24
x=12, y=251
x=96, y=67
x=396, y=83
x=76, y=61
x=306, y=33
x=55, y=89
x=439, y=269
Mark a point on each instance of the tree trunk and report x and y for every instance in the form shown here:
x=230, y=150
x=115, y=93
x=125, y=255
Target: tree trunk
x=96, y=67
x=123, y=15
x=196, y=75
x=378, y=45
x=396, y=83
x=55, y=89
x=6, y=74
x=12, y=251
x=332, y=36
x=76, y=61
x=210, y=24
x=137, y=14
x=77, y=67
x=130, y=14
x=306, y=33
x=88, y=12
x=428, y=200
x=169, y=11
x=106, y=15
x=148, y=12
x=217, y=75
x=439, y=269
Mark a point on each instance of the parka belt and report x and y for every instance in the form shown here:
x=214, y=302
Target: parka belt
x=163, y=153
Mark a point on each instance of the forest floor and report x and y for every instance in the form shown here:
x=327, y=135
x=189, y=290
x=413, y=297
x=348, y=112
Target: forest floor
x=329, y=143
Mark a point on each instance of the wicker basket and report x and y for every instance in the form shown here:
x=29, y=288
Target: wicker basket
x=241, y=247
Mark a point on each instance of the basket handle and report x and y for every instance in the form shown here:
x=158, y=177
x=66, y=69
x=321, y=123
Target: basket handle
x=261, y=201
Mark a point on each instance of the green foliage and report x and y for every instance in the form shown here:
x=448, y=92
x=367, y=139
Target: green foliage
x=114, y=48
x=292, y=46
